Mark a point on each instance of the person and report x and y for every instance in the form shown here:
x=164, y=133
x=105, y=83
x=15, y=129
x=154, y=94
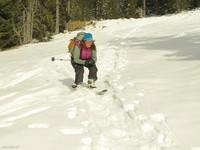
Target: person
x=85, y=55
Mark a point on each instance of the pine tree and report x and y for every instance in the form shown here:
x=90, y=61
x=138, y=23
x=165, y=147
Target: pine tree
x=106, y=9
x=194, y=3
x=98, y=9
x=132, y=8
x=10, y=24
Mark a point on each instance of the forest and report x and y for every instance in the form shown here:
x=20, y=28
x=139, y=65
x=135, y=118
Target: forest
x=26, y=21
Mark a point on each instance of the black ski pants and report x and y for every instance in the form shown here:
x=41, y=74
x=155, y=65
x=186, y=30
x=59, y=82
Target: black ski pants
x=79, y=72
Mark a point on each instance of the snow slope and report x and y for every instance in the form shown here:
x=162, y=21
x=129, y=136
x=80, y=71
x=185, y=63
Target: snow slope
x=151, y=70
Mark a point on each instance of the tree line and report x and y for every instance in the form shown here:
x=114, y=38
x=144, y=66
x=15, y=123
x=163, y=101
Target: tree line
x=22, y=21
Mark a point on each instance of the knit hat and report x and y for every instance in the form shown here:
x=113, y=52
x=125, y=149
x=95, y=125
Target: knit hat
x=88, y=37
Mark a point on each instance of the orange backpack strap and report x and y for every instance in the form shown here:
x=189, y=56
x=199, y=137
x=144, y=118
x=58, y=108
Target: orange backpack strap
x=71, y=46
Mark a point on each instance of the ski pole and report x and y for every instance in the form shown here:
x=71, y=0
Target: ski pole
x=60, y=59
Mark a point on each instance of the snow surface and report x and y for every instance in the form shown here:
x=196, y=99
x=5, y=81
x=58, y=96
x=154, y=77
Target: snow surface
x=150, y=67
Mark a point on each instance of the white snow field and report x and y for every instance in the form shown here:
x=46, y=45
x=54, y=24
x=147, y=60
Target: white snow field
x=151, y=68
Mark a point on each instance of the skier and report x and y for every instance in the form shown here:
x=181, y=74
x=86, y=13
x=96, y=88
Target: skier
x=84, y=55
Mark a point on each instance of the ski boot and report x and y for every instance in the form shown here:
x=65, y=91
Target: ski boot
x=91, y=83
x=74, y=85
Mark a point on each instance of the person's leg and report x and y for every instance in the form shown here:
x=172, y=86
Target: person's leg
x=79, y=71
x=93, y=72
x=92, y=77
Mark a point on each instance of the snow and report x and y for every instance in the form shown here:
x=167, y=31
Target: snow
x=87, y=140
x=38, y=125
x=72, y=131
x=13, y=118
x=150, y=67
x=4, y=125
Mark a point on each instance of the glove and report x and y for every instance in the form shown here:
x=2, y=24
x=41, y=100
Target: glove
x=89, y=63
x=92, y=62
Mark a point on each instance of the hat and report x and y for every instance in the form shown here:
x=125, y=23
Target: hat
x=88, y=37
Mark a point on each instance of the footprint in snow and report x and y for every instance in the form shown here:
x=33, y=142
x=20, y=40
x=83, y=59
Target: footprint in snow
x=72, y=112
x=140, y=94
x=87, y=141
x=85, y=123
x=131, y=84
x=120, y=87
x=158, y=117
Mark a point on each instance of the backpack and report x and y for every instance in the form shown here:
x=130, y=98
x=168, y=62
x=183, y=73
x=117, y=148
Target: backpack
x=76, y=41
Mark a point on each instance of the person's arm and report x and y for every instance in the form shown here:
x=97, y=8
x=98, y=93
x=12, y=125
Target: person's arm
x=76, y=56
x=94, y=55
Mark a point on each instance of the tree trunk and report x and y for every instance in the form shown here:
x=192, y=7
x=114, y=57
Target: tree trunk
x=144, y=8
x=24, y=28
x=28, y=21
x=57, y=17
x=157, y=7
x=68, y=7
x=68, y=13
x=178, y=5
x=28, y=24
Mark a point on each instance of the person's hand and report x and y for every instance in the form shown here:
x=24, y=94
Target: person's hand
x=92, y=62
x=89, y=63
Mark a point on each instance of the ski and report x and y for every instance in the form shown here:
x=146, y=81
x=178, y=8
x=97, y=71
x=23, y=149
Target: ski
x=98, y=92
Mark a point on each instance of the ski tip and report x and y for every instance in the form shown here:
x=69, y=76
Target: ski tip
x=102, y=92
x=105, y=90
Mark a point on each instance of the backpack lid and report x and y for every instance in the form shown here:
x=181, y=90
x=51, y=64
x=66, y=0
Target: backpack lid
x=80, y=36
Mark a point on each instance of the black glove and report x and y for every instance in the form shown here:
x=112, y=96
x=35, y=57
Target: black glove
x=89, y=63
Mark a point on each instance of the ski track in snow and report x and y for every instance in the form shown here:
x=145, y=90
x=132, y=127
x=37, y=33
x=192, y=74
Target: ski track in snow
x=7, y=96
x=20, y=77
x=24, y=115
